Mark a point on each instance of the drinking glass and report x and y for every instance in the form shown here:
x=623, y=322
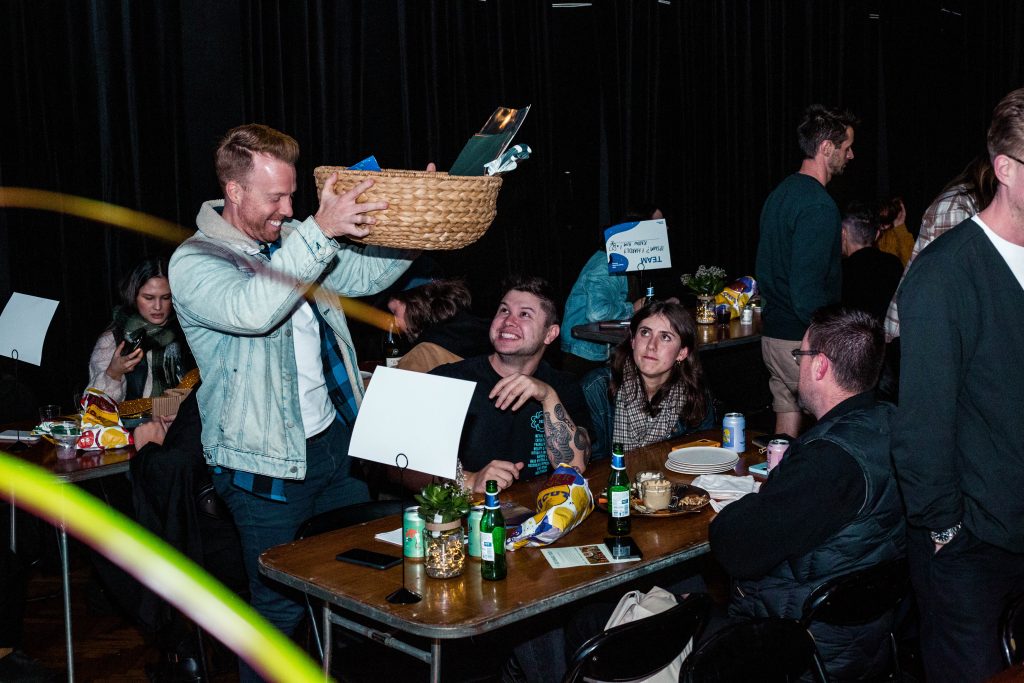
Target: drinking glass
x=49, y=413
x=66, y=433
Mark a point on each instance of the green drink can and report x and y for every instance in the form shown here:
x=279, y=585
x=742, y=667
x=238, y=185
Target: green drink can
x=412, y=533
x=474, y=530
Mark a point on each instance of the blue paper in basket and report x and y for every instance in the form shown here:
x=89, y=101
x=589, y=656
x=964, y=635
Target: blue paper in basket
x=367, y=164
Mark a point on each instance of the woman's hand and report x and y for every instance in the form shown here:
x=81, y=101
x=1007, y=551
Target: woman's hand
x=121, y=365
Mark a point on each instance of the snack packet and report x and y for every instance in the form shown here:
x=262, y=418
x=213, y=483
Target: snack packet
x=101, y=424
x=737, y=294
x=563, y=504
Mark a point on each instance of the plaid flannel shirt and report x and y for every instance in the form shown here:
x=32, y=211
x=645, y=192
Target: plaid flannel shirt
x=949, y=209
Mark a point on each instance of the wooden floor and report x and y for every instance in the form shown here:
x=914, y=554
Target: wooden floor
x=106, y=646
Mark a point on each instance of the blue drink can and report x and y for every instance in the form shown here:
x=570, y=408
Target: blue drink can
x=412, y=533
x=734, y=432
x=474, y=530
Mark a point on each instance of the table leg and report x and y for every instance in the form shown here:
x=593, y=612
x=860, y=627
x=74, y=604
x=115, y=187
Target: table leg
x=14, y=543
x=66, y=581
x=327, y=639
x=435, y=661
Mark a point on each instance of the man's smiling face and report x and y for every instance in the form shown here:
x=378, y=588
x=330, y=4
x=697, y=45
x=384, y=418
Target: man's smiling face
x=520, y=327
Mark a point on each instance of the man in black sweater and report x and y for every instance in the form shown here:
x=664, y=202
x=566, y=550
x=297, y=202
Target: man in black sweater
x=957, y=441
x=870, y=276
x=831, y=506
x=798, y=255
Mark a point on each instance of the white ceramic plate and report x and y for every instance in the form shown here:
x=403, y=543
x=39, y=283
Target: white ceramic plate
x=698, y=456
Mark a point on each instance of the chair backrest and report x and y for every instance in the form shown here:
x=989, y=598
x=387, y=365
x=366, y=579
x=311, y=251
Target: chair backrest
x=1011, y=626
x=858, y=597
x=339, y=518
x=640, y=648
x=764, y=650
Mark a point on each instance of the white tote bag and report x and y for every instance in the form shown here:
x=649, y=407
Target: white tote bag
x=637, y=605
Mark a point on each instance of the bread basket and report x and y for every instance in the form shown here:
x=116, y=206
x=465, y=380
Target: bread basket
x=426, y=210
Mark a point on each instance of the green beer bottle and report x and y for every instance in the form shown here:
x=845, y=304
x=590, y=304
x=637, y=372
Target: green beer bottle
x=618, y=494
x=492, y=537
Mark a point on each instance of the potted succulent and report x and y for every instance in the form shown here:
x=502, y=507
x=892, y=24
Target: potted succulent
x=705, y=283
x=442, y=507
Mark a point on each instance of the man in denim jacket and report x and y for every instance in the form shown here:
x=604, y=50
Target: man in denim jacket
x=281, y=385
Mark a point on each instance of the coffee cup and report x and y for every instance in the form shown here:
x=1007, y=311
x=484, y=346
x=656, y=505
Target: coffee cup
x=657, y=493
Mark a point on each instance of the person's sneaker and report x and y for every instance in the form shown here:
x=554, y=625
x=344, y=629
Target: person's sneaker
x=18, y=667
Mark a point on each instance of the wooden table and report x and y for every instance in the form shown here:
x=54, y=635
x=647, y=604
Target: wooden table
x=708, y=336
x=88, y=465
x=468, y=605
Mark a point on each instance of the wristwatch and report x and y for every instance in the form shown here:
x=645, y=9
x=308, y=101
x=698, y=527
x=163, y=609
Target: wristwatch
x=946, y=535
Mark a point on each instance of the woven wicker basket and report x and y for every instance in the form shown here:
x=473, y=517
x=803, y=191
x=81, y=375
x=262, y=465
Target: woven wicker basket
x=425, y=210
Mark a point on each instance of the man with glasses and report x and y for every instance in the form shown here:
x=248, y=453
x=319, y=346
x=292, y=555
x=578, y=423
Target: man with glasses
x=798, y=256
x=957, y=440
x=831, y=506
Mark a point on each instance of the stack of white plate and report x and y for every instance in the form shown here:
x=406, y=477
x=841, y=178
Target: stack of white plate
x=701, y=460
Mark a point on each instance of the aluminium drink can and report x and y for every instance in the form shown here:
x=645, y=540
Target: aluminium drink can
x=776, y=449
x=412, y=533
x=475, y=514
x=733, y=432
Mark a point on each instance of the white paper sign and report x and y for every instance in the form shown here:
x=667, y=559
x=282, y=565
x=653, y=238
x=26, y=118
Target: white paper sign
x=639, y=245
x=413, y=413
x=23, y=326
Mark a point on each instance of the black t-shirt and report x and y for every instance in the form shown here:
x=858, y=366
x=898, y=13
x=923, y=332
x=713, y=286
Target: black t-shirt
x=492, y=434
x=870, y=278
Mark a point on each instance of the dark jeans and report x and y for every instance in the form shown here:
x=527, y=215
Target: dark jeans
x=264, y=523
x=961, y=593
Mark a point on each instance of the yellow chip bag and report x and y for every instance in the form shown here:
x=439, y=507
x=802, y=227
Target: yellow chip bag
x=563, y=504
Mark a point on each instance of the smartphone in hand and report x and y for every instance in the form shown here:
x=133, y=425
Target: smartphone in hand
x=132, y=342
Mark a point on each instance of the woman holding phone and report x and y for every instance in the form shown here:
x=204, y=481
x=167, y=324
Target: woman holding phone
x=143, y=352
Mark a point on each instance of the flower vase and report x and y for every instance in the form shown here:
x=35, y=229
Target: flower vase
x=444, y=549
x=705, y=309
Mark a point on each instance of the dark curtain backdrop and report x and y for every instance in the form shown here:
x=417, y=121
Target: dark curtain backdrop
x=690, y=105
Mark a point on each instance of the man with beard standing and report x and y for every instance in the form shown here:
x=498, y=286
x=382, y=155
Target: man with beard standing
x=799, y=254
x=281, y=383
x=521, y=404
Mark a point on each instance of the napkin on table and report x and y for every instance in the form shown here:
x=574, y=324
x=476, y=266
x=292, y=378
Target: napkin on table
x=725, y=488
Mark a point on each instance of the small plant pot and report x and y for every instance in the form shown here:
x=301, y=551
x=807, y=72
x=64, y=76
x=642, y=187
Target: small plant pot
x=444, y=549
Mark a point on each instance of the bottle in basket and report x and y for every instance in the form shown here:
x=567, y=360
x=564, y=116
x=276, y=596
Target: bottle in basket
x=734, y=432
x=492, y=537
x=618, y=494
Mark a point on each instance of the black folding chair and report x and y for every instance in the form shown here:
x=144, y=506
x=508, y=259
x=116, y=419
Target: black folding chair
x=763, y=650
x=1011, y=626
x=859, y=598
x=640, y=648
x=339, y=518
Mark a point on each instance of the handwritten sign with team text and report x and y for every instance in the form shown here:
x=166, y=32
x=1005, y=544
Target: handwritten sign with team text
x=641, y=245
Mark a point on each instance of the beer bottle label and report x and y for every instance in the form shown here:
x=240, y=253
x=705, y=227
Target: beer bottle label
x=619, y=503
x=487, y=547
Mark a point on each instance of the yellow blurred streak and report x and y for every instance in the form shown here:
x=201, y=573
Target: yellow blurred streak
x=102, y=212
x=357, y=310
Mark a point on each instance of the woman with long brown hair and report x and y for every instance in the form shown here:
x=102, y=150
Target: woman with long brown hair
x=654, y=387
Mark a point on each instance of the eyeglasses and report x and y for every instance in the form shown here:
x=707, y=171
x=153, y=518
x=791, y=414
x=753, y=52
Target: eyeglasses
x=800, y=352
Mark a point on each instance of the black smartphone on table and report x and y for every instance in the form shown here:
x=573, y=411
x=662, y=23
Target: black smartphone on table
x=623, y=548
x=368, y=558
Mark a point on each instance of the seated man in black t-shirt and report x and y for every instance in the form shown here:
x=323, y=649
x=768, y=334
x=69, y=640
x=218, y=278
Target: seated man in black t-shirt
x=520, y=422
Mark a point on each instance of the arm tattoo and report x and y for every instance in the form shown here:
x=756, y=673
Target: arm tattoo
x=558, y=435
x=564, y=438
